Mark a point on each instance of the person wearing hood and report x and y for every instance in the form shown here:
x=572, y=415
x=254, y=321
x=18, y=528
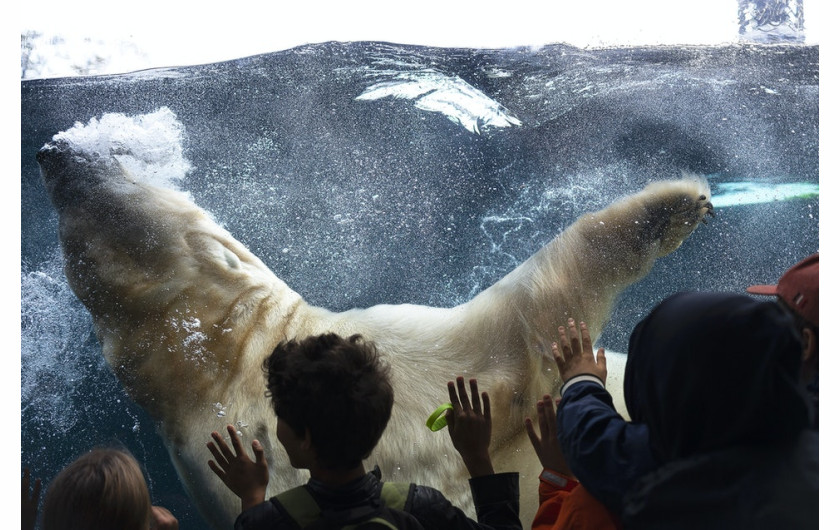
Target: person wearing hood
x=720, y=433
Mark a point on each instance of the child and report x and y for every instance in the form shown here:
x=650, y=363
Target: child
x=564, y=503
x=714, y=380
x=103, y=489
x=333, y=398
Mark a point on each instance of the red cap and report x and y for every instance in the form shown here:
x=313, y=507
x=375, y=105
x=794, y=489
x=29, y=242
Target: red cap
x=799, y=287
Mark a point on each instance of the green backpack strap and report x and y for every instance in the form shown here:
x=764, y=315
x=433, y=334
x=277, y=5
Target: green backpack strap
x=395, y=494
x=300, y=505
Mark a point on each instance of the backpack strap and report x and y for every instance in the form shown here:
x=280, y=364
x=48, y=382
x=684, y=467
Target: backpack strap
x=395, y=494
x=300, y=505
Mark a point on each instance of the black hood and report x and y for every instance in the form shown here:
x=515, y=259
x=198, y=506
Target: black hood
x=707, y=371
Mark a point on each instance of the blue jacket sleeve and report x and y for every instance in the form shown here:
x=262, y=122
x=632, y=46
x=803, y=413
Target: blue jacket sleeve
x=606, y=453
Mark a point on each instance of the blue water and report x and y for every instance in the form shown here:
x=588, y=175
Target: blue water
x=367, y=173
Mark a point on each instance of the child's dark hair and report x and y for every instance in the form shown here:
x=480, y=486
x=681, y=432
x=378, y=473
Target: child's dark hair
x=337, y=388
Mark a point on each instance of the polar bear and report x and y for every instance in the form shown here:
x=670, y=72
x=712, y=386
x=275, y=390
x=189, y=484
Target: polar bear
x=186, y=314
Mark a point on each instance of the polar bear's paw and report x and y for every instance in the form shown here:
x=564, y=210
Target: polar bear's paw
x=679, y=207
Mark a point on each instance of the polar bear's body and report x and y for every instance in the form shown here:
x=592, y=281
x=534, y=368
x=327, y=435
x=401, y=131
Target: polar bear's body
x=186, y=314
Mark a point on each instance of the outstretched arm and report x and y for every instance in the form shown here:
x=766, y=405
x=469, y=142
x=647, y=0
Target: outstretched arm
x=606, y=453
x=470, y=427
x=496, y=496
x=545, y=443
x=244, y=477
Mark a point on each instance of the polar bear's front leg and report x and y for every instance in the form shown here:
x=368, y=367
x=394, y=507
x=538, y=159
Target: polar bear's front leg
x=621, y=242
x=580, y=273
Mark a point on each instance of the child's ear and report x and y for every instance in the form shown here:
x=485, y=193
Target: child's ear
x=809, y=349
x=306, y=442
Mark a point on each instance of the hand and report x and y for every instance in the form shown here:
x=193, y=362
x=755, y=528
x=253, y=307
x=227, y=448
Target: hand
x=470, y=428
x=162, y=519
x=28, y=505
x=577, y=357
x=247, y=479
x=546, y=444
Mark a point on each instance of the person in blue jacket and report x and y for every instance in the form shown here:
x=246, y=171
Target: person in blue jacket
x=606, y=453
x=720, y=433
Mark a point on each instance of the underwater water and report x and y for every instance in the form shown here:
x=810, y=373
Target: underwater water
x=365, y=173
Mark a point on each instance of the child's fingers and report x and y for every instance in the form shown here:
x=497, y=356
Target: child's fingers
x=575, y=337
x=485, y=399
x=217, y=454
x=532, y=434
x=548, y=416
x=548, y=403
x=234, y=440
x=216, y=469
x=453, y=398
x=585, y=338
x=462, y=392
x=259, y=452
x=564, y=341
x=220, y=448
x=558, y=357
x=476, y=402
x=543, y=423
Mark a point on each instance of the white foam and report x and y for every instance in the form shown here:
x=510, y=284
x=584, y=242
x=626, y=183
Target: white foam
x=54, y=360
x=451, y=96
x=150, y=145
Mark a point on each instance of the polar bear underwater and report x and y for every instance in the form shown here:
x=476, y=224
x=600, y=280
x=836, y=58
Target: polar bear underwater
x=186, y=314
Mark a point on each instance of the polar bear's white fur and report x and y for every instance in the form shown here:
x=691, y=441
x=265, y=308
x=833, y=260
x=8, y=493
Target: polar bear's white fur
x=186, y=314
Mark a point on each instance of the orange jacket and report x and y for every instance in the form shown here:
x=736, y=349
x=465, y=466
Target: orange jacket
x=565, y=504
